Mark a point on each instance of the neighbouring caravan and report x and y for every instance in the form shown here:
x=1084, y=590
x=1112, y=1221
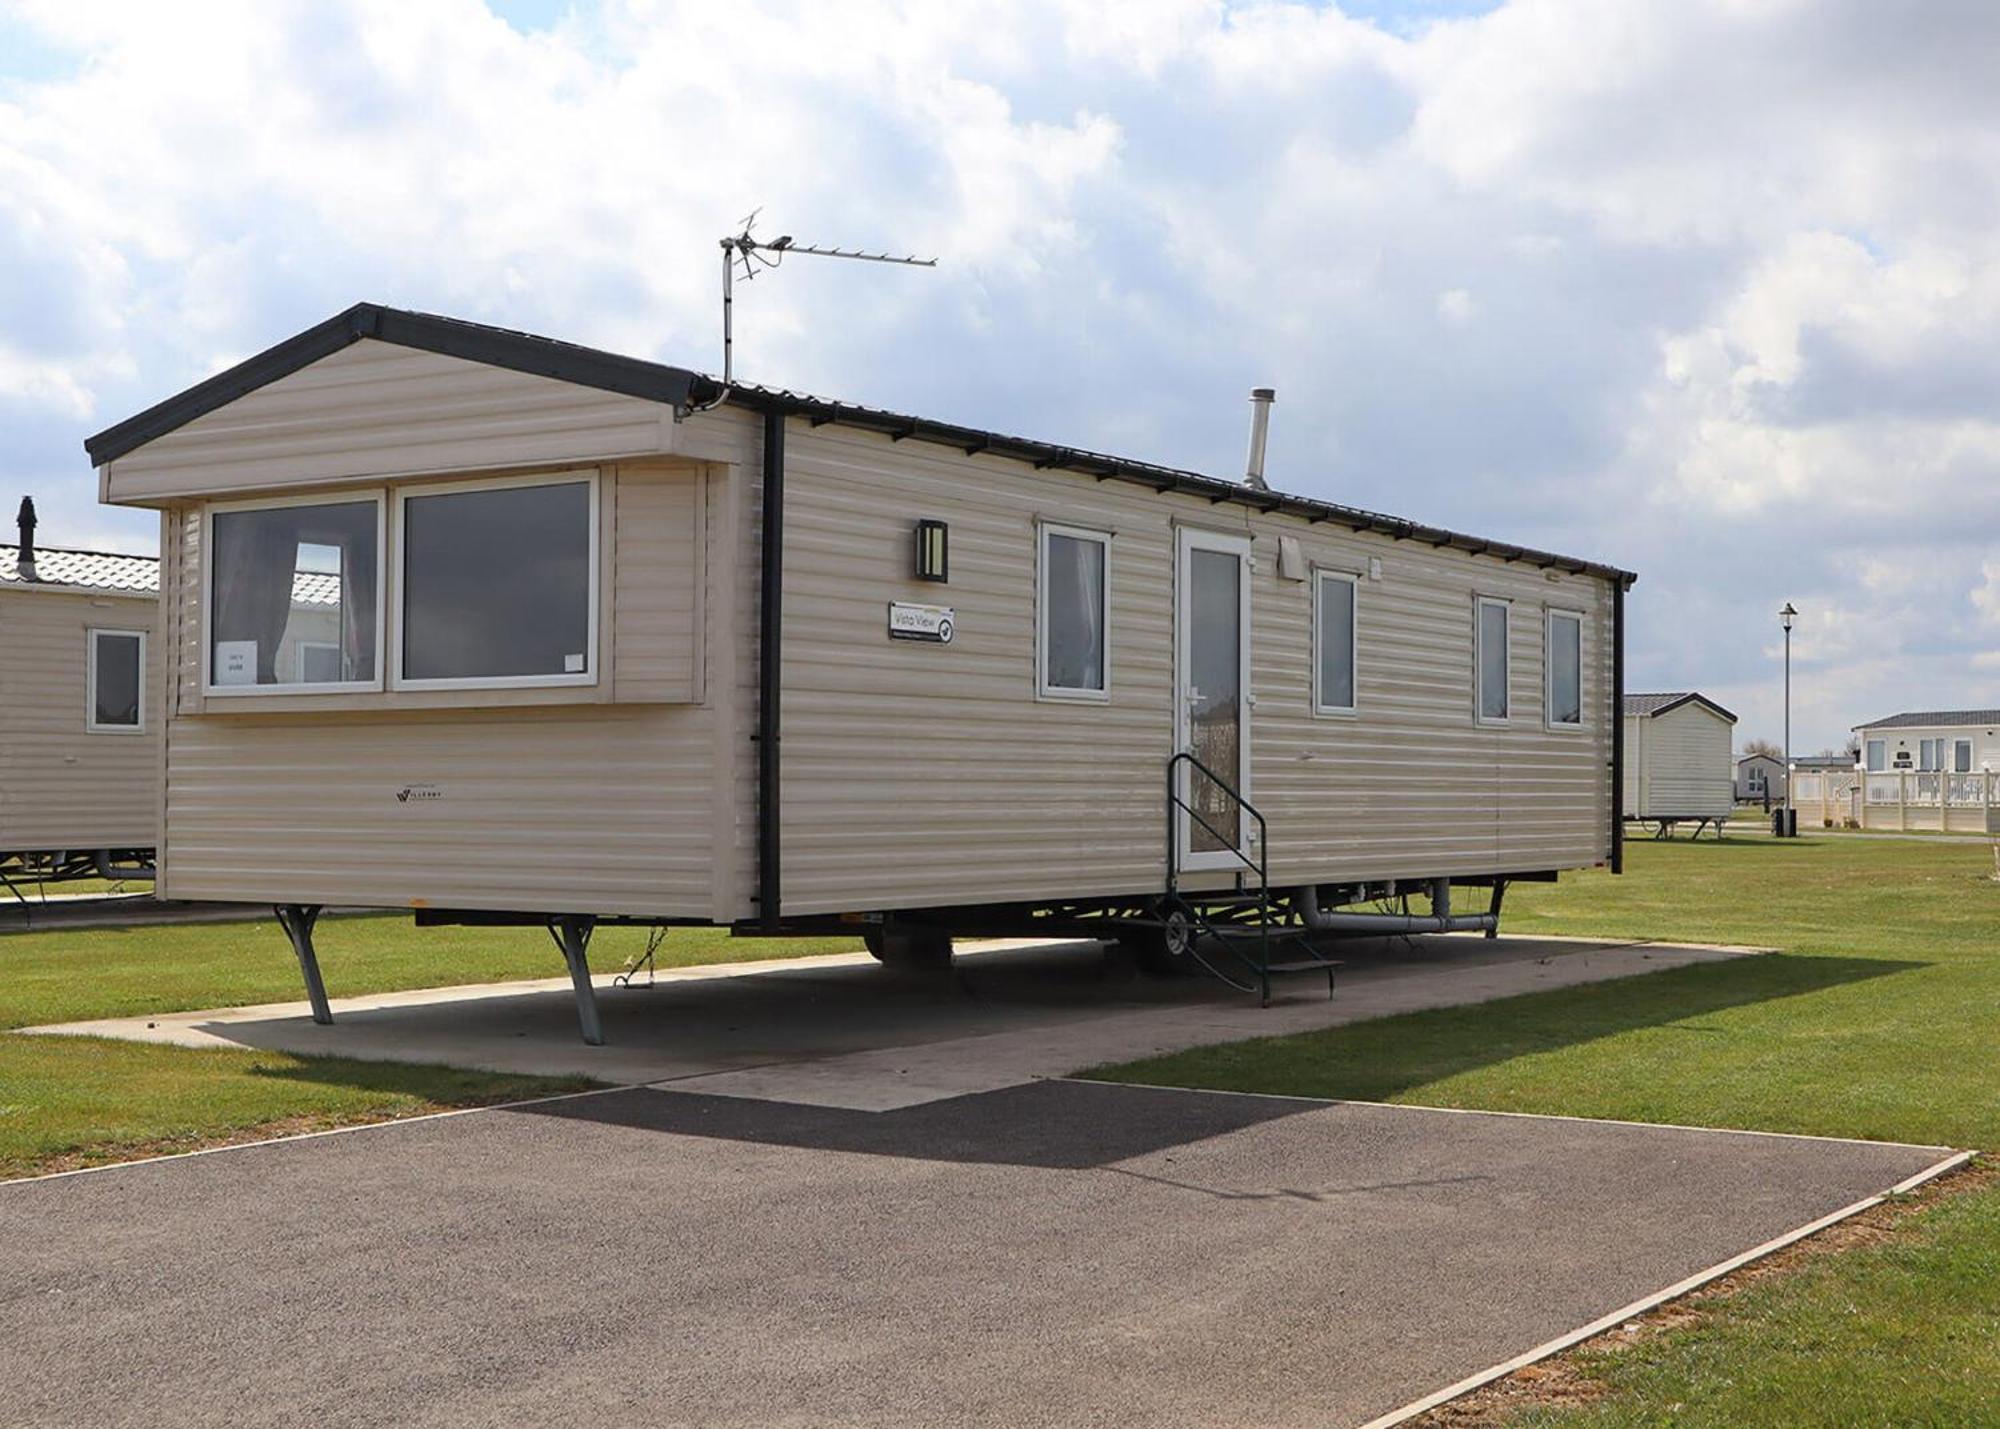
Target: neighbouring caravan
x=80, y=676
x=609, y=641
x=1678, y=763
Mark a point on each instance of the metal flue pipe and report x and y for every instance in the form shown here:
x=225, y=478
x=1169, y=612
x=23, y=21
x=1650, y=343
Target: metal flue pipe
x=25, y=560
x=1261, y=399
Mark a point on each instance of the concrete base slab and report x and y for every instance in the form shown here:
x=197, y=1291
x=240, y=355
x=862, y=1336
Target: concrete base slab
x=1058, y=1253
x=843, y=1031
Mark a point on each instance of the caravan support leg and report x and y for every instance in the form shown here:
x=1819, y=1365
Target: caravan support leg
x=572, y=935
x=1499, y=894
x=297, y=919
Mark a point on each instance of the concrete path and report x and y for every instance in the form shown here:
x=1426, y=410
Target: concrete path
x=843, y=1031
x=1054, y=1254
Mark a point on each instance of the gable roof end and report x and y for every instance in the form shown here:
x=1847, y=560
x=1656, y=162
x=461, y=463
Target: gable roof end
x=1654, y=705
x=448, y=337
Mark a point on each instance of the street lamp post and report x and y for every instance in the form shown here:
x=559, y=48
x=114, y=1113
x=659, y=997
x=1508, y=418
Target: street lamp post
x=1787, y=827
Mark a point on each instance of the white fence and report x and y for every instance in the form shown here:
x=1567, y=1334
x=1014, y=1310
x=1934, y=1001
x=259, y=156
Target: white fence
x=1903, y=799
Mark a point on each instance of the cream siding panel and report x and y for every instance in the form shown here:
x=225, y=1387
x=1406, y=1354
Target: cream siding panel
x=1637, y=728
x=1690, y=769
x=61, y=786
x=587, y=809
x=657, y=601
x=918, y=774
x=586, y=806
x=374, y=409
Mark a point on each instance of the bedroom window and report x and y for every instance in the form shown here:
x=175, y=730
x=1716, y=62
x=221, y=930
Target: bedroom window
x=498, y=583
x=1490, y=660
x=1878, y=756
x=1565, y=669
x=1335, y=621
x=116, y=701
x=1074, y=655
x=283, y=576
x=1961, y=756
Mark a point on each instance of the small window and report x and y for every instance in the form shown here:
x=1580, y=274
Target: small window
x=499, y=584
x=1961, y=756
x=1334, y=625
x=1491, y=660
x=287, y=576
x=1075, y=613
x=1565, y=692
x=117, y=696
x=1878, y=756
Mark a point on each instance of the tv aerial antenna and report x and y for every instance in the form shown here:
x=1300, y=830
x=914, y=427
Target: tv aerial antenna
x=752, y=255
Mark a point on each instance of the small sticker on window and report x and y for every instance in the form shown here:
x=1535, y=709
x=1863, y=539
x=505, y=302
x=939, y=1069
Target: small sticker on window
x=572, y=664
x=235, y=662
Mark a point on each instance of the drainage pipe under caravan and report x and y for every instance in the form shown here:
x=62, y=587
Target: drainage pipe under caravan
x=770, y=653
x=1305, y=902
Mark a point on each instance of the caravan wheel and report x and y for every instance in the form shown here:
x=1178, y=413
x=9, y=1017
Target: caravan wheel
x=907, y=946
x=1162, y=949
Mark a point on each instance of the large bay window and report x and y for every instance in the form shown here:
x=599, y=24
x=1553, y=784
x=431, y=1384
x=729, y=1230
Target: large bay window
x=498, y=583
x=285, y=577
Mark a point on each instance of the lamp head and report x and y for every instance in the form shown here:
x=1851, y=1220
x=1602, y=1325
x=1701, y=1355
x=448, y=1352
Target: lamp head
x=1787, y=615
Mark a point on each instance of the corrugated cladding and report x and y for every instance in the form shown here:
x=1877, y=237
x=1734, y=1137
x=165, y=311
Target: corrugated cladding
x=61, y=785
x=913, y=774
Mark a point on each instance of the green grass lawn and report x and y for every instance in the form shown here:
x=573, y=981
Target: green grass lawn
x=74, y=1100
x=1880, y=1018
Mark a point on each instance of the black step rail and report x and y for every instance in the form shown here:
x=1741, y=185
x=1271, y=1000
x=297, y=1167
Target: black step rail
x=1258, y=866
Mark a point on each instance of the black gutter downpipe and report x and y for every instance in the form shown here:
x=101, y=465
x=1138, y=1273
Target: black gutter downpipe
x=1618, y=726
x=770, y=663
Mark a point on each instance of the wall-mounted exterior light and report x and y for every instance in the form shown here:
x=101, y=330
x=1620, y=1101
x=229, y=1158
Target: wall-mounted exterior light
x=933, y=551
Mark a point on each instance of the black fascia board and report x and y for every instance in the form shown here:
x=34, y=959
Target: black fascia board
x=1046, y=455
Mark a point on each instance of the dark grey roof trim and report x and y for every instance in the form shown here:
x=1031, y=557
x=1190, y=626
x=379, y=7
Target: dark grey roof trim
x=1653, y=706
x=1926, y=719
x=678, y=387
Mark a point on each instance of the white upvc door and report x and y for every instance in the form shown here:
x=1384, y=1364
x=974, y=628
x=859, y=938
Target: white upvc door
x=1212, y=697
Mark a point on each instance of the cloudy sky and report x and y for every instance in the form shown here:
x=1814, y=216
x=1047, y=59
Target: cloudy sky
x=1707, y=288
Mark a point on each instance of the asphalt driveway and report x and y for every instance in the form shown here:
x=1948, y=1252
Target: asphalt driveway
x=1055, y=1253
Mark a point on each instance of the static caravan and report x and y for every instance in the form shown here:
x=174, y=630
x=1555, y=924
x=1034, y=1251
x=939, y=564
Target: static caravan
x=1760, y=779
x=609, y=641
x=80, y=681
x=1921, y=769
x=1678, y=764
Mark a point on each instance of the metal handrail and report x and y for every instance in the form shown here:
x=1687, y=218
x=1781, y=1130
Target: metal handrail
x=1259, y=866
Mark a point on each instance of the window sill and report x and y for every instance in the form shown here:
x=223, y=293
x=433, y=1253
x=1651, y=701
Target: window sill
x=1074, y=697
x=393, y=701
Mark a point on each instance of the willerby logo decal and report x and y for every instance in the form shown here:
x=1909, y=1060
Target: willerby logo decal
x=418, y=793
x=932, y=623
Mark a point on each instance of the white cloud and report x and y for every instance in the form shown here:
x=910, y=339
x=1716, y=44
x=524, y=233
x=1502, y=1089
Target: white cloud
x=1706, y=287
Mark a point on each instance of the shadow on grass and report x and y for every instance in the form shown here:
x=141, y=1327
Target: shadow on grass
x=1382, y=1058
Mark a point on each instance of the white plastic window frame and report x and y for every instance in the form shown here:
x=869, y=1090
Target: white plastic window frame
x=295, y=687
x=592, y=655
x=1479, y=715
x=91, y=724
x=1352, y=579
x=1554, y=614
x=1044, y=532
